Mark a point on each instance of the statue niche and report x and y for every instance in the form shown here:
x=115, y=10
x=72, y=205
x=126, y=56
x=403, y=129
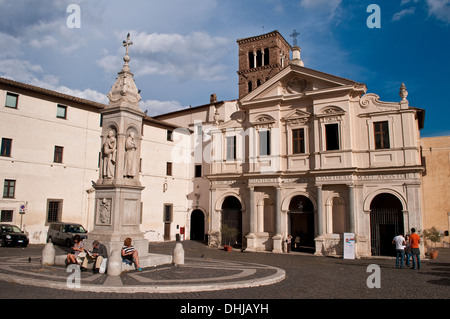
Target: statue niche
x=109, y=148
x=131, y=146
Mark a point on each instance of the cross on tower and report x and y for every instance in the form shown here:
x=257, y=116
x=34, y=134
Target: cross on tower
x=294, y=35
x=127, y=43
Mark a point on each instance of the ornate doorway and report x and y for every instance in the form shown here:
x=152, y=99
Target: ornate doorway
x=232, y=217
x=301, y=220
x=386, y=222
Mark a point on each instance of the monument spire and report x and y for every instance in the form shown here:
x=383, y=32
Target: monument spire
x=124, y=91
x=126, y=44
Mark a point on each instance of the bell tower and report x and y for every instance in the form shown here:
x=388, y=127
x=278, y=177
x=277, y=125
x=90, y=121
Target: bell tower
x=260, y=58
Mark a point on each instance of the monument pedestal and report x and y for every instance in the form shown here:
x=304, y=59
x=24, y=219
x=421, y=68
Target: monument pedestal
x=117, y=216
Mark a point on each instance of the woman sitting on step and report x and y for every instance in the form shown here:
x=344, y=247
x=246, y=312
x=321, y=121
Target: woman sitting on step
x=130, y=254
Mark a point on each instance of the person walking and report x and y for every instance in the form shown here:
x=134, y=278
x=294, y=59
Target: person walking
x=414, y=240
x=400, y=245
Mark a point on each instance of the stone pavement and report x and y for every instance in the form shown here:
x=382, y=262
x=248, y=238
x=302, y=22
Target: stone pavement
x=215, y=274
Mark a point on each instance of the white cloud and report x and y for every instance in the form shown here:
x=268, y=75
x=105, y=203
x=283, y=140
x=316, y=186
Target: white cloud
x=10, y=46
x=403, y=13
x=33, y=74
x=19, y=70
x=329, y=6
x=155, y=107
x=439, y=9
x=193, y=56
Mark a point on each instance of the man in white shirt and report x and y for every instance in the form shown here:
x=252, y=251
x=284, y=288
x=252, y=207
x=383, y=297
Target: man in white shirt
x=400, y=245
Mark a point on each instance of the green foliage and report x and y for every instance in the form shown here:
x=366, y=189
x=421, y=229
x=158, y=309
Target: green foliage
x=229, y=234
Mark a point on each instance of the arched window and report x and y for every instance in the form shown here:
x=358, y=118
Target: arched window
x=259, y=58
x=251, y=60
x=266, y=56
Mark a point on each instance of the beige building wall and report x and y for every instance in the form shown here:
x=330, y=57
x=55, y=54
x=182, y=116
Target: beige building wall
x=435, y=183
x=35, y=130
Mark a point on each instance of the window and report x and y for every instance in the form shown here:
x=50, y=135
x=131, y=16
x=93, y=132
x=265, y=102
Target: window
x=54, y=209
x=250, y=86
x=11, y=100
x=381, y=133
x=259, y=58
x=7, y=216
x=6, y=147
x=9, y=188
x=266, y=56
x=198, y=171
x=169, y=169
x=58, y=154
x=264, y=143
x=169, y=135
x=231, y=148
x=332, y=136
x=61, y=111
x=251, y=60
x=298, y=141
x=168, y=208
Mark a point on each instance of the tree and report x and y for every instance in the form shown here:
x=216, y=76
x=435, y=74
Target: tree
x=229, y=234
x=433, y=235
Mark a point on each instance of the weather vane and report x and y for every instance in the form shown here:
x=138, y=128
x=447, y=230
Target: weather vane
x=294, y=35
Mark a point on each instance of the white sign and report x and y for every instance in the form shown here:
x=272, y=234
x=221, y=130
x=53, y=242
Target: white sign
x=22, y=209
x=349, y=246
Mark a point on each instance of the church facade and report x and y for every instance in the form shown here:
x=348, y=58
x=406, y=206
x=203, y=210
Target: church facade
x=301, y=153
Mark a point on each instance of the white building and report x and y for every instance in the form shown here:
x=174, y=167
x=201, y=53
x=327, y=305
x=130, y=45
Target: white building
x=301, y=153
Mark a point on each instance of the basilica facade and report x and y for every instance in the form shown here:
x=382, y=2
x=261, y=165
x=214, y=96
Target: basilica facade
x=301, y=153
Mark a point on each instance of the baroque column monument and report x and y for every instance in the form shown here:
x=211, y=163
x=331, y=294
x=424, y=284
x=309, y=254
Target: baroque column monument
x=118, y=189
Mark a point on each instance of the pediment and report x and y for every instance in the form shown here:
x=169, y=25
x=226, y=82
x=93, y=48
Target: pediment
x=296, y=117
x=263, y=120
x=297, y=81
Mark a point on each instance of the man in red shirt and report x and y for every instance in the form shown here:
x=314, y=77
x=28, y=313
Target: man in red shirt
x=414, y=240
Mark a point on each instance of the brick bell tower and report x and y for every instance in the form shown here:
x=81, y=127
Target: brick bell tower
x=260, y=58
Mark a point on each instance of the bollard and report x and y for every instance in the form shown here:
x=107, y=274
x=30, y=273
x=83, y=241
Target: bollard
x=48, y=255
x=114, y=267
x=178, y=254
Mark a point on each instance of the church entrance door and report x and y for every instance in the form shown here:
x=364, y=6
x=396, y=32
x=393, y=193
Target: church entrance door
x=386, y=222
x=232, y=217
x=301, y=219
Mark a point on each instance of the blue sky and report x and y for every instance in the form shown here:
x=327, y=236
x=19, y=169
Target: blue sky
x=184, y=50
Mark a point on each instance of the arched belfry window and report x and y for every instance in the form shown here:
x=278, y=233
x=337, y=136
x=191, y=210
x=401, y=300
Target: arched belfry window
x=259, y=58
x=266, y=56
x=251, y=60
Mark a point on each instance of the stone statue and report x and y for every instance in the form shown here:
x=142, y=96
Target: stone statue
x=109, y=155
x=130, y=156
